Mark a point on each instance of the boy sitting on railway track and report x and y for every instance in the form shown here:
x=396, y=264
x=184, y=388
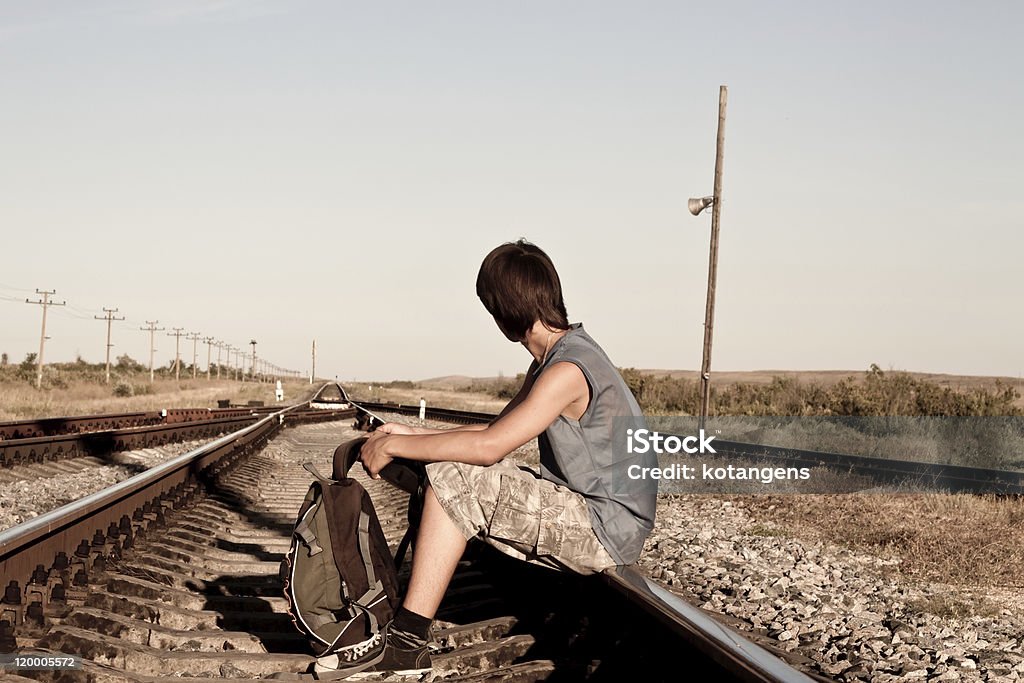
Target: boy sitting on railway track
x=570, y=516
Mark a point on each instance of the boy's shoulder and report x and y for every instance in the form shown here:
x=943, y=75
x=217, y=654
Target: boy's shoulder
x=578, y=345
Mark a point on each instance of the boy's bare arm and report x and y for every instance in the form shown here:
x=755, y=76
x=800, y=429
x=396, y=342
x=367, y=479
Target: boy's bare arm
x=523, y=392
x=558, y=387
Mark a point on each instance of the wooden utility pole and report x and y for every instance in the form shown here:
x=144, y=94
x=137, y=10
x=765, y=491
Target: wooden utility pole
x=195, y=337
x=232, y=351
x=152, y=343
x=109, y=317
x=709, y=310
x=253, y=342
x=312, y=373
x=45, y=303
x=177, y=350
x=220, y=347
x=209, y=355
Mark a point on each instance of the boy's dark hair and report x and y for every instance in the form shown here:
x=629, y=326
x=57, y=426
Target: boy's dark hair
x=518, y=285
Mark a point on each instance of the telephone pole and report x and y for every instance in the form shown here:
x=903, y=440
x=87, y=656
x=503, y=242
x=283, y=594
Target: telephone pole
x=253, y=342
x=195, y=337
x=152, y=343
x=109, y=317
x=209, y=351
x=232, y=351
x=709, y=310
x=45, y=303
x=312, y=373
x=177, y=350
x=220, y=347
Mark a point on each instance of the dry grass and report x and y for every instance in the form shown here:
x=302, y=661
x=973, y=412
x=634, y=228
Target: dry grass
x=21, y=401
x=956, y=539
x=825, y=378
x=951, y=606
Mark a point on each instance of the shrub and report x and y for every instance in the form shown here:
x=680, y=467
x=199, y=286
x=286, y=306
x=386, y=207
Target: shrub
x=501, y=387
x=878, y=394
x=129, y=364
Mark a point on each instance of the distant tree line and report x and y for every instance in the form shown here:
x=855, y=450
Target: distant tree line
x=125, y=372
x=878, y=393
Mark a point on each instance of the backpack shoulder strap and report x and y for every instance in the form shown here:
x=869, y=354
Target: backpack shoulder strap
x=364, y=548
x=311, y=468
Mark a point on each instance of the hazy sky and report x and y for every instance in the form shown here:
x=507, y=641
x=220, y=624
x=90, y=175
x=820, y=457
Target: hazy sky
x=289, y=170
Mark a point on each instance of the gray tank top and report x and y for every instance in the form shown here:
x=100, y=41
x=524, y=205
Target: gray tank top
x=589, y=456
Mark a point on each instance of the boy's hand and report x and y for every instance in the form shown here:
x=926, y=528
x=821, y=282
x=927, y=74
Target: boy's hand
x=373, y=454
x=395, y=428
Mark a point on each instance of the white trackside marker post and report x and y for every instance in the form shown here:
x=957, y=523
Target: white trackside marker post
x=423, y=409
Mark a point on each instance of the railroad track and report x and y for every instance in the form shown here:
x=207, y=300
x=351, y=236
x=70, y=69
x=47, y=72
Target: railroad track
x=53, y=426
x=175, y=573
x=80, y=437
x=953, y=478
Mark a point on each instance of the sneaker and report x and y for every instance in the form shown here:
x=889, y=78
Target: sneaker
x=351, y=659
x=399, y=656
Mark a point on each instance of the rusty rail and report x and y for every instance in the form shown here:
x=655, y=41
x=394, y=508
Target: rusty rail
x=737, y=656
x=42, y=560
x=77, y=424
x=42, y=448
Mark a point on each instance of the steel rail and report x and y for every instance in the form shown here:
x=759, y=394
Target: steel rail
x=731, y=650
x=41, y=448
x=443, y=414
x=77, y=424
x=51, y=426
x=67, y=528
x=63, y=529
x=21, y=548
x=954, y=478
x=725, y=646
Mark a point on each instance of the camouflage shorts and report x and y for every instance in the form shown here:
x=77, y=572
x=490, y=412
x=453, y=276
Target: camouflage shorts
x=520, y=514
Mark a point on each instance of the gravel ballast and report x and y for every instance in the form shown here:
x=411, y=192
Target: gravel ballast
x=851, y=613
x=29, y=498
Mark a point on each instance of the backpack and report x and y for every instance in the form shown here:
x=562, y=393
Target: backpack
x=340, y=579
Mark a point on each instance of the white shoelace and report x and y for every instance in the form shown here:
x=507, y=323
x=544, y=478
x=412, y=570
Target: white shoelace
x=353, y=652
